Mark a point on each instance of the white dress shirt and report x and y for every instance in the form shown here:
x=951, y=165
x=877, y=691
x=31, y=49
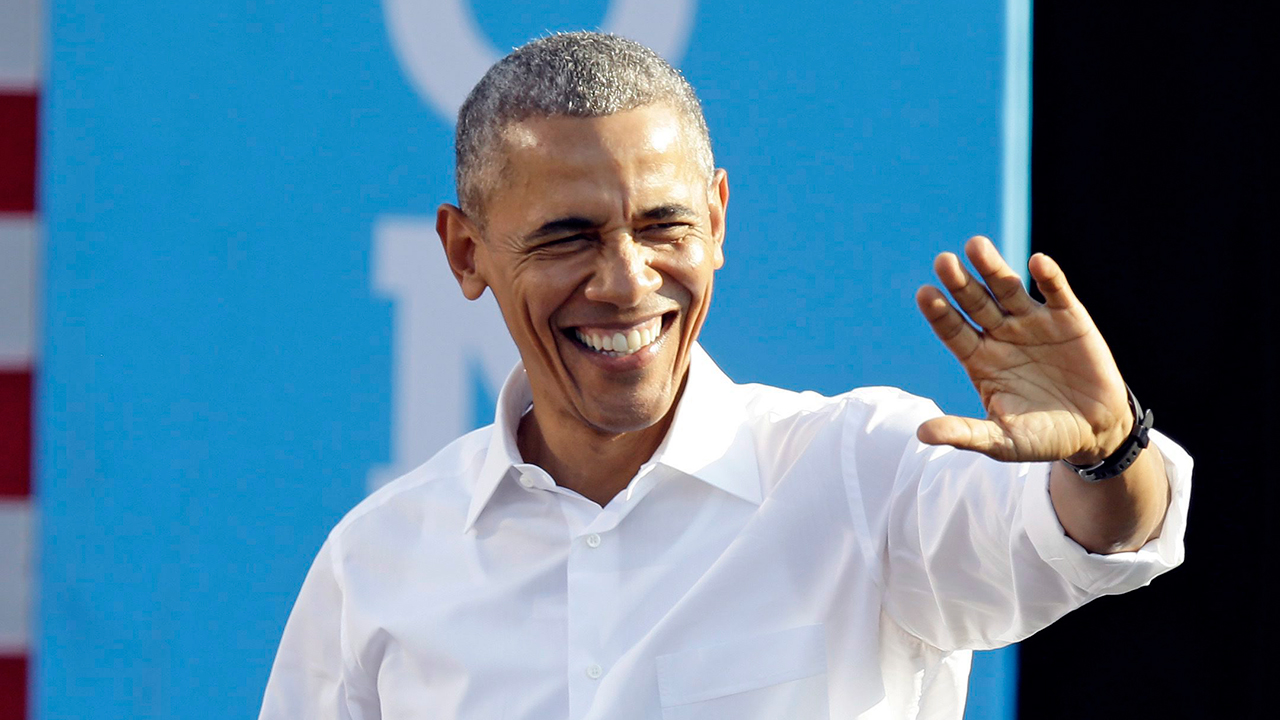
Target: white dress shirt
x=782, y=555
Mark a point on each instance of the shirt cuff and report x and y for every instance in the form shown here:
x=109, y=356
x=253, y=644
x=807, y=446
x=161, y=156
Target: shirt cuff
x=1119, y=572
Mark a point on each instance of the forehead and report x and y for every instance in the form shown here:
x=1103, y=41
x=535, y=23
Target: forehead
x=567, y=164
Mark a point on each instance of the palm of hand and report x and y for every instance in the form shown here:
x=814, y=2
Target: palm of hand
x=1046, y=378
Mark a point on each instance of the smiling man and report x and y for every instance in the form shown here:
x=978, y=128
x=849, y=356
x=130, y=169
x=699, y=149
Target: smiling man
x=600, y=248
x=637, y=536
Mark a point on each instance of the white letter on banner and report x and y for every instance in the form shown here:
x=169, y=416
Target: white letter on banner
x=439, y=335
x=444, y=53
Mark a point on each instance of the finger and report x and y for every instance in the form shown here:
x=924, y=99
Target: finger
x=1051, y=281
x=1005, y=284
x=969, y=294
x=947, y=322
x=965, y=433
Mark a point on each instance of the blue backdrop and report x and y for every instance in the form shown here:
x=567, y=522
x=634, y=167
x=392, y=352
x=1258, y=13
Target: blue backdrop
x=225, y=367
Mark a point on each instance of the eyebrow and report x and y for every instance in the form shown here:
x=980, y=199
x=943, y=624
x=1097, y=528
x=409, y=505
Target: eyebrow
x=562, y=225
x=575, y=223
x=670, y=211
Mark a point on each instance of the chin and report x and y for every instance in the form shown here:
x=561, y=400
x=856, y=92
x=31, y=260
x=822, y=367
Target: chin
x=616, y=420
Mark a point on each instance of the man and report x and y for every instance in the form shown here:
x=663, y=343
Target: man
x=638, y=537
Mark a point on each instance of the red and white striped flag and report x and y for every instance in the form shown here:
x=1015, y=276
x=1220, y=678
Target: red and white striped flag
x=21, y=32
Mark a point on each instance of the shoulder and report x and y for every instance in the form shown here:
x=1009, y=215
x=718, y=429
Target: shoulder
x=867, y=408
x=821, y=433
x=874, y=410
x=436, y=492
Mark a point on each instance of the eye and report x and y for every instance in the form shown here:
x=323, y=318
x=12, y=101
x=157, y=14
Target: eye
x=564, y=243
x=666, y=231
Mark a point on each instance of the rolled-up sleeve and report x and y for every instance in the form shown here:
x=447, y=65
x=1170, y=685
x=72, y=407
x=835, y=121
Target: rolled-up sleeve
x=1119, y=572
x=970, y=552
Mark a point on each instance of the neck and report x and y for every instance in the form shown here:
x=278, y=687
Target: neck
x=593, y=463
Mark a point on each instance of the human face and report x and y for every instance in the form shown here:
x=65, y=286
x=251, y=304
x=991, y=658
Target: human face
x=603, y=230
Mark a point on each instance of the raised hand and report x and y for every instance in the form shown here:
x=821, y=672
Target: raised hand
x=1047, y=380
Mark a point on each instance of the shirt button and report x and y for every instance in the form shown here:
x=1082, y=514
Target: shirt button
x=594, y=672
x=593, y=541
x=526, y=481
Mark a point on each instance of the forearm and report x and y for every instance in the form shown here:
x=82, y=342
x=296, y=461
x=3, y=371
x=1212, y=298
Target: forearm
x=1116, y=515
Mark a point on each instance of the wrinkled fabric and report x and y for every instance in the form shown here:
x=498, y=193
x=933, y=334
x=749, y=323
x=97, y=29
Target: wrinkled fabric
x=781, y=555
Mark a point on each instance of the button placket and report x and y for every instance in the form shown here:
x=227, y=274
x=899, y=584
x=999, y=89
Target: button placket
x=590, y=599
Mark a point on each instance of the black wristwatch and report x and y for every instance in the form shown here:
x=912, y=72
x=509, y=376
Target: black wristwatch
x=1124, y=456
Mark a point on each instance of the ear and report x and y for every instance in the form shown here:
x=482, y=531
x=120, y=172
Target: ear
x=460, y=238
x=718, y=204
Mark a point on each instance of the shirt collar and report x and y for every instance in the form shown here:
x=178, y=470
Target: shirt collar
x=708, y=439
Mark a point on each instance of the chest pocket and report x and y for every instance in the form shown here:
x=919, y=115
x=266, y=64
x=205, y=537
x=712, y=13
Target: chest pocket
x=765, y=677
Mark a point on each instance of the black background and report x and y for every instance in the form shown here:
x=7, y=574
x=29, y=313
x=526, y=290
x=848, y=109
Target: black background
x=1148, y=187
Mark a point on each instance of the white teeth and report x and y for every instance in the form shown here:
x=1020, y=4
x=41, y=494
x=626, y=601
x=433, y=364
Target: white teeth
x=620, y=344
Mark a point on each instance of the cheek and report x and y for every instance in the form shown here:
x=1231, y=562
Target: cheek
x=544, y=289
x=692, y=267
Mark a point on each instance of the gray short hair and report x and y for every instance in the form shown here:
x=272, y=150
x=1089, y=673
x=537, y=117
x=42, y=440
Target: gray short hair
x=578, y=74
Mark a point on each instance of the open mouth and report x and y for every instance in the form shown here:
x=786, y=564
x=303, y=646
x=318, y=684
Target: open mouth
x=621, y=342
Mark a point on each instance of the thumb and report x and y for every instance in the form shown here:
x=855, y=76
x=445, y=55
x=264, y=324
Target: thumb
x=965, y=433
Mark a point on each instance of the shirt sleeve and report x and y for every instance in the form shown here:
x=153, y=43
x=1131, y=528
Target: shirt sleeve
x=970, y=551
x=310, y=677
x=1119, y=572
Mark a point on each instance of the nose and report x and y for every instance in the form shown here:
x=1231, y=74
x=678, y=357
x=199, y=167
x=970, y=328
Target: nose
x=623, y=275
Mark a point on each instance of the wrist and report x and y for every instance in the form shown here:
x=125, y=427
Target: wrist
x=1121, y=456
x=1108, y=442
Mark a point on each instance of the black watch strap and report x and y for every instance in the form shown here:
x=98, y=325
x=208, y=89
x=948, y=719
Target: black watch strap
x=1124, y=456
